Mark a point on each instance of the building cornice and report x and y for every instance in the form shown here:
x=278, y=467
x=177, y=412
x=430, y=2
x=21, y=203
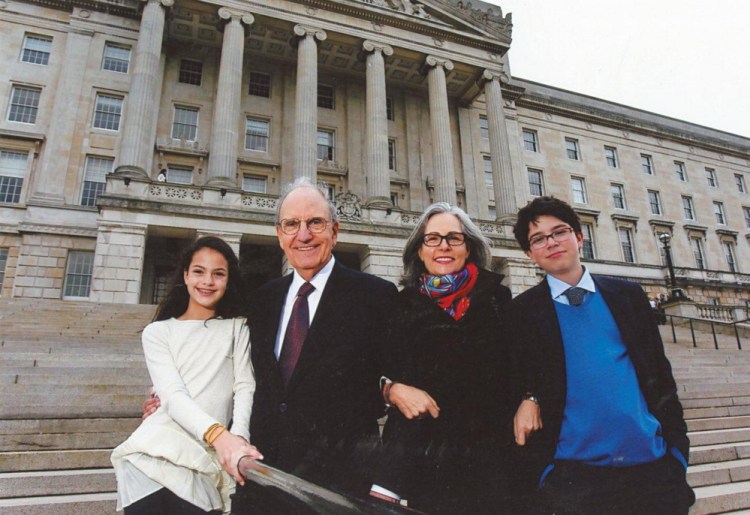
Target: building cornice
x=125, y=8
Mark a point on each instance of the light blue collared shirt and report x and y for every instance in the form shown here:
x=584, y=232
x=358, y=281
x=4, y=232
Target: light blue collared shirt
x=557, y=287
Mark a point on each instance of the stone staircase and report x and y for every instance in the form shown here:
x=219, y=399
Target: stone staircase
x=73, y=379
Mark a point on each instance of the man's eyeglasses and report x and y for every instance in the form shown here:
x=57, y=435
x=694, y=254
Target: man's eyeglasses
x=454, y=239
x=559, y=235
x=290, y=226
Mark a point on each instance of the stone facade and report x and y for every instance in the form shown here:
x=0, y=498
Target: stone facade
x=391, y=105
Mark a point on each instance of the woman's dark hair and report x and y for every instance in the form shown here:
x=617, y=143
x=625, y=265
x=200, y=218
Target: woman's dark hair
x=543, y=206
x=232, y=304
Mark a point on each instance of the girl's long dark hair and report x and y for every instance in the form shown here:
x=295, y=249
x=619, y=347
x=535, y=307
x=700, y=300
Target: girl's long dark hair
x=232, y=304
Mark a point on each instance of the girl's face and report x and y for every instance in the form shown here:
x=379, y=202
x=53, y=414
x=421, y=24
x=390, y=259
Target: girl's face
x=206, y=281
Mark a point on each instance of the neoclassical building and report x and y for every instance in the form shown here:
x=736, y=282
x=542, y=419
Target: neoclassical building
x=129, y=127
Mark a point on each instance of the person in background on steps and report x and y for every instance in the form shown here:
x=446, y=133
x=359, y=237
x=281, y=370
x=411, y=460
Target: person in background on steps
x=183, y=458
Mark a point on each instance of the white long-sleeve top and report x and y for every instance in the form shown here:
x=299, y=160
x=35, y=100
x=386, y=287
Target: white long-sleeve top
x=201, y=371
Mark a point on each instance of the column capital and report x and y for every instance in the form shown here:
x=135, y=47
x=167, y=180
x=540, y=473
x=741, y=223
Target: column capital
x=306, y=30
x=432, y=61
x=165, y=3
x=490, y=75
x=376, y=46
x=229, y=14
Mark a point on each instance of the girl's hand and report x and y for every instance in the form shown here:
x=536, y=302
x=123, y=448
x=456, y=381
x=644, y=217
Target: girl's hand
x=230, y=448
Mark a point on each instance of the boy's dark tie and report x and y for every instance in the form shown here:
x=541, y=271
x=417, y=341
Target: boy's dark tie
x=575, y=295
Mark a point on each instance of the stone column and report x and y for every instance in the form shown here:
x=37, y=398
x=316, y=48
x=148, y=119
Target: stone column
x=502, y=172
x=442, y=143
x=118, y=262
x=142, y=104
x=222, y=159
x=376, y=127
x=306, y=102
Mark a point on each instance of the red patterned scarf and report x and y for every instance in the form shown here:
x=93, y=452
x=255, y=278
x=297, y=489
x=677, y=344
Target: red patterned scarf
x=451, y=291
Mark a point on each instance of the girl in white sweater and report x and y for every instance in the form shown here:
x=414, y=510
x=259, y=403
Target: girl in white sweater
x=183, y=459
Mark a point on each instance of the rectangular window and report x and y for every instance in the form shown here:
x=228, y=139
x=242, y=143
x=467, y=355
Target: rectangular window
x=3, y=265
x=739, y=180
x=697, y=245
x=95, y=178
x=719, y=212
x=394, y=199
x=530, y=141
x=654, y=200
x=185, y=124
x=746, y=213
x=179, y=174
x=107, y=112
x=116, y=58
x=260, y=85
x=254, y=183
x=12, y=173
x=626, y=242
x=484, y=127
x=711, y=178
x=729, y=255
x=325, y=145
x=578, y=184
x=647, y=164
x=36, y=49
x=326, y=96
x=571, y=148
x=679, y=170
x=492, y=212
x=610, y=154
x=536, y=182
x=256, y=134
x=24, y=104
x=191, y=72
x=389, y=114
x=489, y=181
x=78, y=274
x=618, y=195
x=588, y=241
x=687, y=208
x=392, y=154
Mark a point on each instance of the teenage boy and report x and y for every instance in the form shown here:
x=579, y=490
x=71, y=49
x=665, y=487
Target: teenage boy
x=589, y=352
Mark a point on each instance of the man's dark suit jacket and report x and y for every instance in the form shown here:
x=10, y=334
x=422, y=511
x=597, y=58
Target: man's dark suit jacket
x=540, y=356
x=323, y=424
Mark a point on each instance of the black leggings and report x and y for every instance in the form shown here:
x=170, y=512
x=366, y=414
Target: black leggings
x=164, y=502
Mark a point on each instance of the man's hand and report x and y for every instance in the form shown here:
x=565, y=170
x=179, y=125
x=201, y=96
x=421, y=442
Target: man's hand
x=231, y=448
x=527, y=420
x=412, y=402
x=151, y=403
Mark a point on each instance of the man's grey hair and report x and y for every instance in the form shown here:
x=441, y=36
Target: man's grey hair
x=477, y=245
x=305, y=182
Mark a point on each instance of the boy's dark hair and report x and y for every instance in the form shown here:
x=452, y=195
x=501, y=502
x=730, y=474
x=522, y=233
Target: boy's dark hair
x=541, y=206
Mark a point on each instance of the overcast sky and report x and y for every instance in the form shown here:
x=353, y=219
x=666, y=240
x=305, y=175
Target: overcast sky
x=688, y=59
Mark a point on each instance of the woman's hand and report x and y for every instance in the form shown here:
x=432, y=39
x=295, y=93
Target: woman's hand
x=151, y=403
x=412, y=402
x=527, y=420
x=231, y=448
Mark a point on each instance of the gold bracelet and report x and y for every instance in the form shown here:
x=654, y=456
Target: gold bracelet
x=216, y=435
x=210, y=431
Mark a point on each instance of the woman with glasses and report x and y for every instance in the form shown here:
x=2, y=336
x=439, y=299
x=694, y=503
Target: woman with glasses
x=448, y=340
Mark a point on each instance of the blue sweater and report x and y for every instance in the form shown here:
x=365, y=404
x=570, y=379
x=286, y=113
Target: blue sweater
x=606, y=421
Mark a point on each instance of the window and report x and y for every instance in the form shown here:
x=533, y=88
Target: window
x=571, y=148
x=739, y=180
x=489, y=181
x=24, y=104
x=326, y=96
x=711, y=177
x=179, y=174
x=588, y=240
x=78, y=274
x=254, y=183
x=536, y=182
x=618, y=195
x=12, y=172
x=687, y=208
x=107, y=112
x=746, y=213
x=662, y=251
x=191, y=72
x=256, y=134
x=484, y=127
x=626, y=242
x=260, y=84
x=185, y=124
x=325, y=145
x=610, y=154
x=679, y=169
x=696, y=244
x=389, y=114
x=3, y=264
x=647, y=164
x=492, y=212
x=719, y=212
x=530, y=141
x=95, y=178
x=579, y=190
x=36, y=49
x=116, y=58
x=394, y=199
x=392, y=154
x=729, y=255
x=654, y=200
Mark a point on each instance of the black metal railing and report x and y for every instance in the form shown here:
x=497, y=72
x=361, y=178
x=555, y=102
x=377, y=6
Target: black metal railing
x=730, y=327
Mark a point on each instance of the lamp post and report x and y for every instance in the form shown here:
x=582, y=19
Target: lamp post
x=675, y=292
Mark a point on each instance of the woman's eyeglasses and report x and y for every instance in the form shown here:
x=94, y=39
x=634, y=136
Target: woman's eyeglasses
x=433, y=239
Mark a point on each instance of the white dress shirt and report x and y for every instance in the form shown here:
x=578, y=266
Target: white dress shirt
x=558, y=288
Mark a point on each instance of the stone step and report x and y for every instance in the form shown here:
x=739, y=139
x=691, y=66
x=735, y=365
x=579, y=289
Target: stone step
x=700, y=454
x=62, y=441
x=719, y=436
x=721, y=498
x=727, y=422
x=98, y=347
x=61, y=406
x=716, y=401
x=62, y=376
x=719, y=473
x=17, y=461
x=697, y=391
x=75, y=390
x=57, y=482
x=724, y=411
x=73, y=425
x=78, y=504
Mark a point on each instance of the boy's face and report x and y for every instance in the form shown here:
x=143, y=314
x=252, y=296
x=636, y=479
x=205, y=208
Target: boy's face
x=558, y=258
